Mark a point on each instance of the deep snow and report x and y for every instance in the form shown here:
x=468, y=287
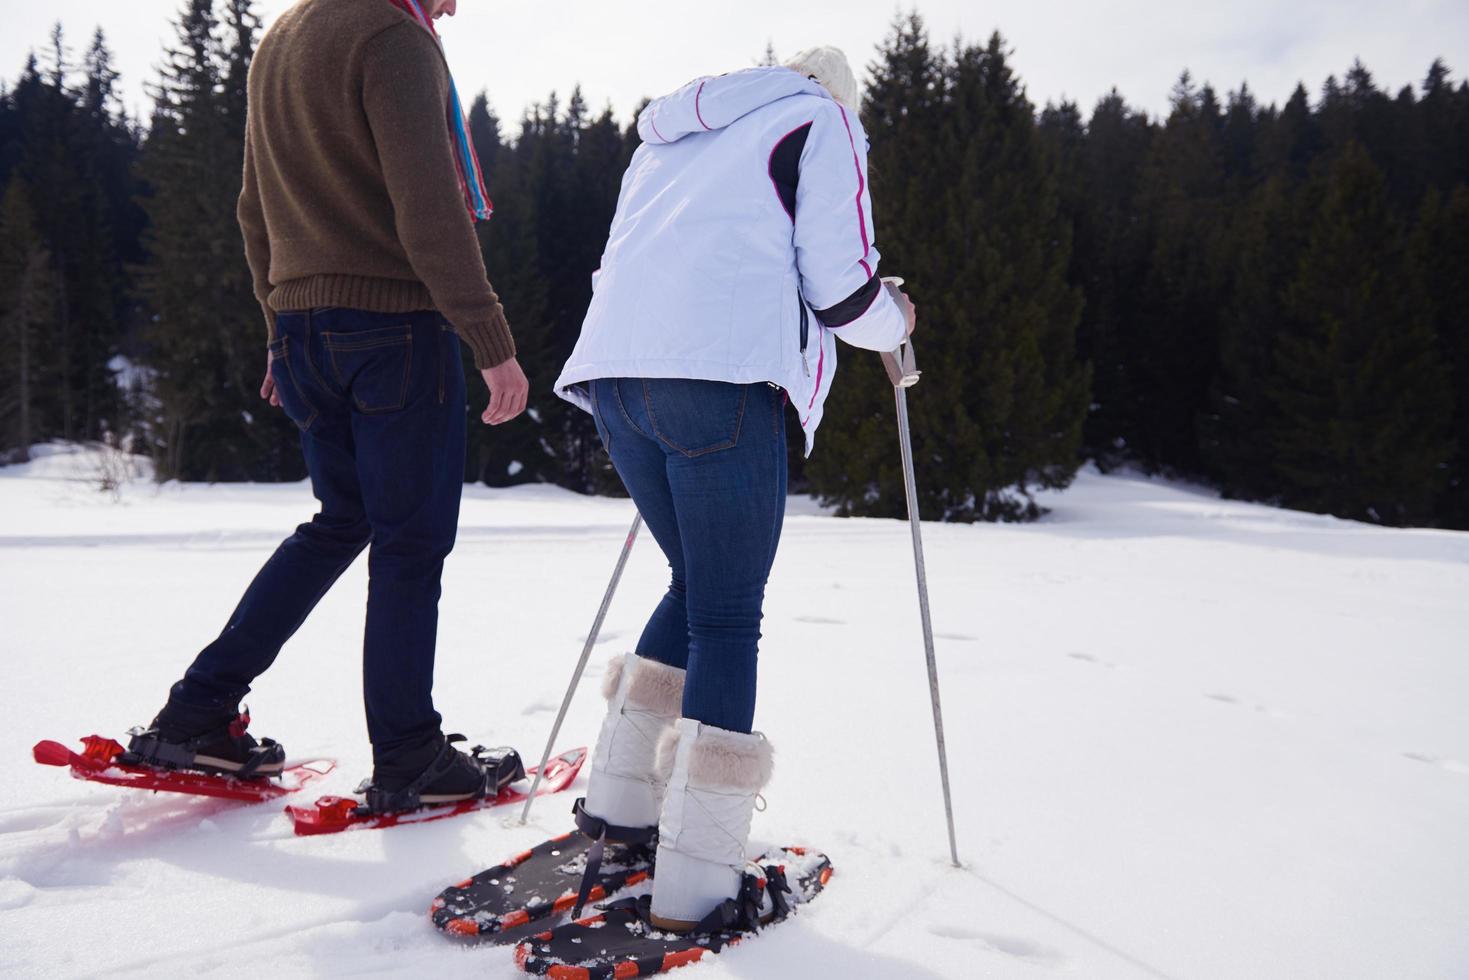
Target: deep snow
x=1190, y=738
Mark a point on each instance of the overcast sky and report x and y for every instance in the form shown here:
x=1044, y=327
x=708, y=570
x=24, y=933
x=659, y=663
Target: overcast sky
x=519, y=51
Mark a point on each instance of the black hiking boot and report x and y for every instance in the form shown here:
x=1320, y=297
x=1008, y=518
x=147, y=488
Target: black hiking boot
x=208, y=740
x=439, y=773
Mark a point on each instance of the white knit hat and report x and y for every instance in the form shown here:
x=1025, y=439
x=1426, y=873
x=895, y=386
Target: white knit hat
x=829, y=66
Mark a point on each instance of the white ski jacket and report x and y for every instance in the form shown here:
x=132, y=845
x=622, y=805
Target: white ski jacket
x=749, y=191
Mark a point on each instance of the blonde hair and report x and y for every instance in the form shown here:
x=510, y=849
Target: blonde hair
x=829, y=67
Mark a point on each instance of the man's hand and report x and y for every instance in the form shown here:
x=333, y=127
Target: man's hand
x=509, y=391
x=910, y=312
x=267, y=387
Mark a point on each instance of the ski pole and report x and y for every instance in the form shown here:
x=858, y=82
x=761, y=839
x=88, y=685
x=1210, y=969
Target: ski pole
x=581, y=665
x=903, y=373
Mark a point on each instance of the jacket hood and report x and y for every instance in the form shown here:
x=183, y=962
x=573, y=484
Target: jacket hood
x=715, y=102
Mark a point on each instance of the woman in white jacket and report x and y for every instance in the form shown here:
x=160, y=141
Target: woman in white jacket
x=742, y=247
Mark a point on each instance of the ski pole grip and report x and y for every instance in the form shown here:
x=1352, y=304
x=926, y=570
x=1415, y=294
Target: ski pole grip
x=901, y=367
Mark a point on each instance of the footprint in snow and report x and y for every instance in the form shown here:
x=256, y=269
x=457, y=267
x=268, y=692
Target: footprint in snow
x=1262, y=709
x=1448, y=765
x=1089, y=659
x=1052, y=578
x=821, y=621
x=36, y=818
x=1015, y=946
x=15, y=893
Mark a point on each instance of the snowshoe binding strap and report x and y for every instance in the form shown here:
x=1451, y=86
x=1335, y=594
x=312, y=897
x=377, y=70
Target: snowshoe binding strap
x=378, y=800
x=503, y=765
x=776, y=889
x=596, y=827
x=600, y=831
x=147, y=747
x=267, y=752
x=589, y=877
x=744, y=913
x=738, y=914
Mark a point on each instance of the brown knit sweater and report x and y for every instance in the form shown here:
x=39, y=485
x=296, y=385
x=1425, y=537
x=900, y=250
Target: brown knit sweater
x=351, y=197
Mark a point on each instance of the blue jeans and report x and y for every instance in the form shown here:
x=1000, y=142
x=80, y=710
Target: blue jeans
x=705, y=461
x=380, y=402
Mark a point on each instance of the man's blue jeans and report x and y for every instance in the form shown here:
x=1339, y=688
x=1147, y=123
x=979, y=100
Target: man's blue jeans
x=705, y=462
x=380, y=402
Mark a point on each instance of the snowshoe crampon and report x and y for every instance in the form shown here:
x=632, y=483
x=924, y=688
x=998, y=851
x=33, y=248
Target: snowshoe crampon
x=103, y=760
x=621, y=941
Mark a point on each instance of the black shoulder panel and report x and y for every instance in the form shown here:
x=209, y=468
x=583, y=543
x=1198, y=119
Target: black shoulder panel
x=785, y=166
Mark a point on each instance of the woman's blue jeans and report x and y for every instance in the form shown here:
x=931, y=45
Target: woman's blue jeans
x=705, y=462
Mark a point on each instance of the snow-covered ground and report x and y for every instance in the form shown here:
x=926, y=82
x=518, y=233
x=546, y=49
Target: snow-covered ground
x=1190, y=738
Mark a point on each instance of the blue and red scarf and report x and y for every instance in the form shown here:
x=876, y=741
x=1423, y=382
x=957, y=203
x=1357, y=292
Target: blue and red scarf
x=471, y=178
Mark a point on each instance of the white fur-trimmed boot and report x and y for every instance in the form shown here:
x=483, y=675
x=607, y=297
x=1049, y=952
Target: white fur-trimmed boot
x=712, y=778
x=644, y=697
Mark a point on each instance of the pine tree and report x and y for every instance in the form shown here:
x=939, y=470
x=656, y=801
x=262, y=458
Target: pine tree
x=270, y=447
x=1266, y=245
x=1291, y=139
x=1171, y=343
x=555, y=190
x=1362, y=393
x=73, y=150
x=601, y=158
x=1444, y=124
x=1239, y=138
x=11, y=131
x=854, y=464
x=985, y=249
x=519, y=453
x=27, y=319
x=1265, y=242
x=102, y=152
x=53, y=156
x=484, y=133
x=1100, y=196
x=49, y=169
x=174, y=170
x=1441, y=252
x=204, y=342
x=1355, y=110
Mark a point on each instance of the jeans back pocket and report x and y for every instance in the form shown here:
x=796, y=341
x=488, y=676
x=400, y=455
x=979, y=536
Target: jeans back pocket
x=695, y=417
x=297, y=406
x=374, y=366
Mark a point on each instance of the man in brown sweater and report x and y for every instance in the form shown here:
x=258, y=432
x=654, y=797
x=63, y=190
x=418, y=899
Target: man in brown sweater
x=369, y=273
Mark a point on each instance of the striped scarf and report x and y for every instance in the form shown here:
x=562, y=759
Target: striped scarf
x=471, y=178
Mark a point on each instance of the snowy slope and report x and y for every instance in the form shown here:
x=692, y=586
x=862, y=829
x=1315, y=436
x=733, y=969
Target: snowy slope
x=1190, y=738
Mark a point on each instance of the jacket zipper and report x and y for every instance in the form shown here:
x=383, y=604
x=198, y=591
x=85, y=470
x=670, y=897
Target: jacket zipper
x=805, y=332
